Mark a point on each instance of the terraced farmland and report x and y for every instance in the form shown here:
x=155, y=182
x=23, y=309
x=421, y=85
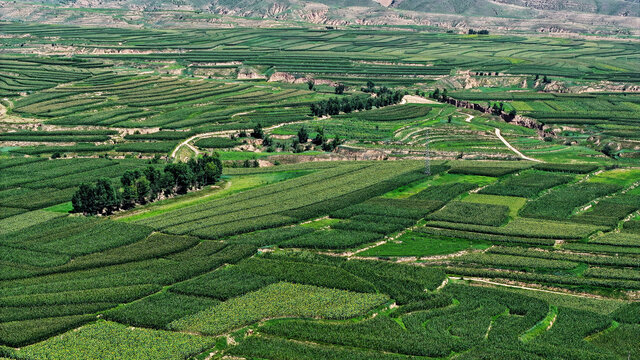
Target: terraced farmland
x=218, y=267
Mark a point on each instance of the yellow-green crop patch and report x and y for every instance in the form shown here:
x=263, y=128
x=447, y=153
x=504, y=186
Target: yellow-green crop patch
x=622, y=177
x=112, y=341
x=514, y=203
x=279, y=300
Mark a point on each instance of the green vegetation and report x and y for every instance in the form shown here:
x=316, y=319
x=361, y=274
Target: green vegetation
x=560, y=203
x=217, y=143
x=472, y=213
x=107, y=340
x=526, y=184
x=147, y=186
x=156, y=311
x=279, y=300
x=417, y=244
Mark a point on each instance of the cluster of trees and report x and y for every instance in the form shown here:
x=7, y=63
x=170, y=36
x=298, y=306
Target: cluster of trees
x=140, y=187
x=437, y=95
x=497, y=108
x=479, y=32
x=256, y=133
x=320, y=140
x=335, y=106
x=370, y=88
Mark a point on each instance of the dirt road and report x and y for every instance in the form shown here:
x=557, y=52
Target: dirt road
x=514, y=149
x=221, y=133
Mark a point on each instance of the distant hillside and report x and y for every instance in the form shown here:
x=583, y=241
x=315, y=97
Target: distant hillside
x=518, y=8
x=296, y=8
x=607, y=17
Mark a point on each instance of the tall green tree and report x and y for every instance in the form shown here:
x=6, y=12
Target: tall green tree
x=155, y=182
x=182, y=177
x=106, y=197
x=83, y=199
x=303, y=135
x=258, y=133
x=143, y=189
x=320, y=138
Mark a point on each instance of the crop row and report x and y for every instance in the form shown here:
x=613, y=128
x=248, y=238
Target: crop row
x=517, y=262
x=609, y=211
x=598, y=260
x=265, y=205
x=493, y=171
x=472, y=213
x=560, y=203
x=527, y=184
x=279, y=300
x=112, y=341
x=523, y=227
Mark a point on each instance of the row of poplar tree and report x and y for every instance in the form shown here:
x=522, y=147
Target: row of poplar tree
x=335, y=106
x=140, y=187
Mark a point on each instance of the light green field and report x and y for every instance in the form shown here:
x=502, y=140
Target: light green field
x=412, y=189
x=514, y=203
x=416, y=244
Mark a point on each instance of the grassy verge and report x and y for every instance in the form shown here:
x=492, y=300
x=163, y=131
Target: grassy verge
x=542, y=326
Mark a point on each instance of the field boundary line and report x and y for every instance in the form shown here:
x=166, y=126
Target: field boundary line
x=480, y=280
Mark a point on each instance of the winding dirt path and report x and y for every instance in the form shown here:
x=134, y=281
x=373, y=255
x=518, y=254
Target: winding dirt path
x=194, y=149
x=188, y=141
x=499, y=135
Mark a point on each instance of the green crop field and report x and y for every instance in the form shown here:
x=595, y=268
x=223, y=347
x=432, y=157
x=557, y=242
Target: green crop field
x=241, y=187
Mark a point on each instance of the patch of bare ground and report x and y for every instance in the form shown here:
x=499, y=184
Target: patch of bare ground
x=414, y=99
x=31, y=143
x=242, y=113
x=437, y=258
x=314, y=220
